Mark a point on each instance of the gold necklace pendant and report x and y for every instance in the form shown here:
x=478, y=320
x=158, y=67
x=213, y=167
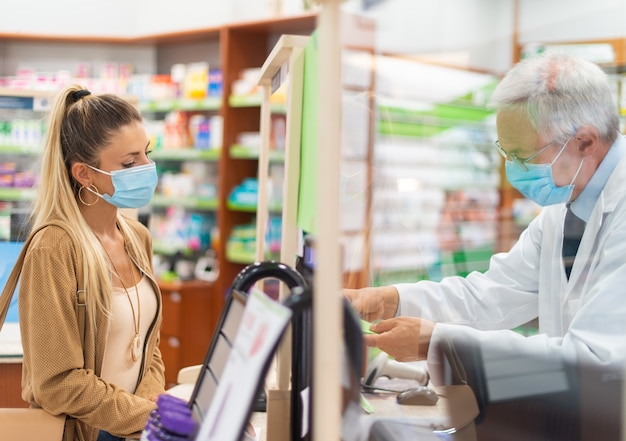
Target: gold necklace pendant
x=135, y=348
x=135, y=344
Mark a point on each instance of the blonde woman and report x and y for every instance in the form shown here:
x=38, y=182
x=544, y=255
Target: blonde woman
x=95, y=161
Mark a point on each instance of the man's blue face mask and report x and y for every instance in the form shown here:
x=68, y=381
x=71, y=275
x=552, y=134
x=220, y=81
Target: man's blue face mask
x=537, y=183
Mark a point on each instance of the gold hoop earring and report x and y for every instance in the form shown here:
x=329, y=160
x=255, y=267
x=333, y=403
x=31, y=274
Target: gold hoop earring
x=80, y=197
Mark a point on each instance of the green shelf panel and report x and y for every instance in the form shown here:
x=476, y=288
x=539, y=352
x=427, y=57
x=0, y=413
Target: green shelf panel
x=241, y=207
x=238, y=256
x=453, y=112
x=254, y=101
x=239, y=151
x=186, y=154
x=245, y=100
x=163, y=248
x=17, y=194
x=193, y=203
x=20, y=150
x=252, y=208
x=210, y=103
x=426, y=123
x=410, y=129
x=245, y=257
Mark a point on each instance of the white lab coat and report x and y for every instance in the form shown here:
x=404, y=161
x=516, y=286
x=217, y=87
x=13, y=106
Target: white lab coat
x=583, y=319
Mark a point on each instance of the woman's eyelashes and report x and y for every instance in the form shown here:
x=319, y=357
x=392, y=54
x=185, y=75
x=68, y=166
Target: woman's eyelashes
x=134, y=161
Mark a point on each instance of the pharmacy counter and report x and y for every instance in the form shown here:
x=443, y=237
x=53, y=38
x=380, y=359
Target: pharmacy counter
x=11, y=366
x=451, y=417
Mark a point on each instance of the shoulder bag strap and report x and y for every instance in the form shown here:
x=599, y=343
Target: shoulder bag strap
x=81, y=305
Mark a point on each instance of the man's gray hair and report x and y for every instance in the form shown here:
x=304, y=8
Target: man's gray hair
x=560, y=93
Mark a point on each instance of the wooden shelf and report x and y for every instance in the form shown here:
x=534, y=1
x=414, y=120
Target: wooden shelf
x=280, y=25
x=190, y=313
x=248, y=45
x=231, y=48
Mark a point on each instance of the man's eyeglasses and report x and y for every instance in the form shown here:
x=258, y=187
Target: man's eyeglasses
x=521, y=162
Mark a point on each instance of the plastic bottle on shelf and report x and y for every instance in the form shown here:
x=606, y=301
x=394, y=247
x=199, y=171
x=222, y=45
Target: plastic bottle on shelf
x=170, y=421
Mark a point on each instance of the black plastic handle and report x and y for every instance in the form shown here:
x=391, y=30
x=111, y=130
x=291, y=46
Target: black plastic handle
x=254, y=272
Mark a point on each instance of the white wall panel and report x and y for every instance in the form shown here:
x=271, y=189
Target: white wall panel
x=571, y=20
x=70, y=17
x=127, y=18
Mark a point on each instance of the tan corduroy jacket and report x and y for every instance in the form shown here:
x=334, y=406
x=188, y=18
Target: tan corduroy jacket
x=55, y=374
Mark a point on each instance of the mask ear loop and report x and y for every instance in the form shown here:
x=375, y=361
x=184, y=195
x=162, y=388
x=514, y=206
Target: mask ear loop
x=559, y=154
x=98, y=170
x=580, y=166
x=577, y=171
x=80, y=196
x=560, y=151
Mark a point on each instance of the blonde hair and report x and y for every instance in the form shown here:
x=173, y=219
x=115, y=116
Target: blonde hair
x=79, y=126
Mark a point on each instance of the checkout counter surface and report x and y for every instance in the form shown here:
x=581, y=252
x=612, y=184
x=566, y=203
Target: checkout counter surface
x=450, y=418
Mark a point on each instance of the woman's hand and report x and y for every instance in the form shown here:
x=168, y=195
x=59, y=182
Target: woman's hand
x=373, y=303
x=404, y=338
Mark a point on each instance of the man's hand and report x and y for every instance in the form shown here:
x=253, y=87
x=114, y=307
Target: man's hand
x=404, y=338
x=373, y=303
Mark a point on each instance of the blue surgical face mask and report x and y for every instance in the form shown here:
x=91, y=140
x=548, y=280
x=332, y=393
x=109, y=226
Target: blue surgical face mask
x=133, y=187
x=537, y=184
